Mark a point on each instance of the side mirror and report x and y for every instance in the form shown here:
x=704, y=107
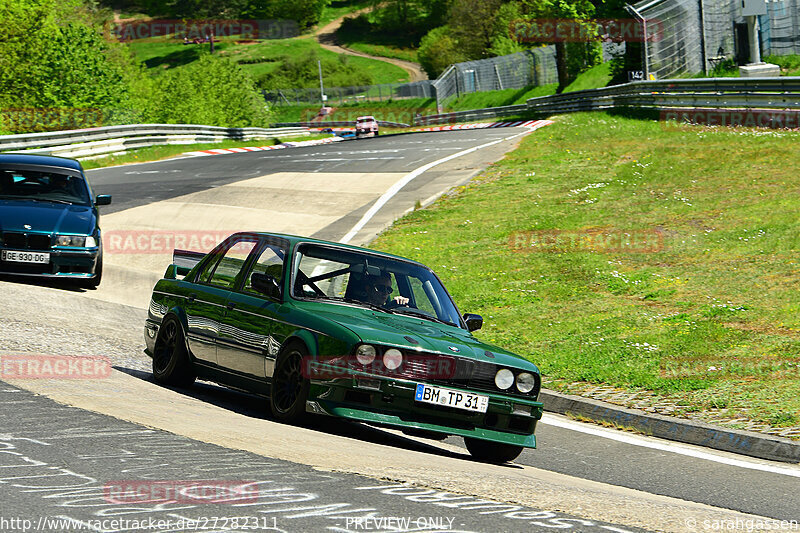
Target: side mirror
x=102, y=199
x=474, y=322
x=266, y=285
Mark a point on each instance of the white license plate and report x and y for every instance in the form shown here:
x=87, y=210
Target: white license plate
x=451, y=398
x=25, y=257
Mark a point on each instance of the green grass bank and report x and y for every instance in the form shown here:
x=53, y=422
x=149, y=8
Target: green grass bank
x=657, y=258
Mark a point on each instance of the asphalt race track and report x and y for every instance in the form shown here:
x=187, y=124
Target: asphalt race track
x=59, y=461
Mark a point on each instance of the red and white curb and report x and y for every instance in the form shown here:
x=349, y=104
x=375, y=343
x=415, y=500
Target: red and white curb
x=218, y=151
x=534, y=124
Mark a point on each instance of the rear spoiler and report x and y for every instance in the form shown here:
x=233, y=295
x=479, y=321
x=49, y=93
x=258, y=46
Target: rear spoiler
x=183, y=261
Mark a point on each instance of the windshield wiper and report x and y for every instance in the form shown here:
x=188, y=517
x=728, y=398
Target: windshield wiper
x=421, y=314
x=36, y=199
x=52, y=200
x=359, y=302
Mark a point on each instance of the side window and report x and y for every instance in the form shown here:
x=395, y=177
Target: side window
x=223, y=272
x=269, y=262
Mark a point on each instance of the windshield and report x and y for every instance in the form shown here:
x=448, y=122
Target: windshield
x=44, y=185
x=377, y=282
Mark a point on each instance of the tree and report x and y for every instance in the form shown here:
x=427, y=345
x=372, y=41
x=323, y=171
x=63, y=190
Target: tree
x=213, y=90
x=473, y=23
x=563, y=9
x=56, y=67
x=438, y=50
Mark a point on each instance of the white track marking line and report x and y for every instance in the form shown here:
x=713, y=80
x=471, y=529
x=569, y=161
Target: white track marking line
x=679, y=448
x=394, y=189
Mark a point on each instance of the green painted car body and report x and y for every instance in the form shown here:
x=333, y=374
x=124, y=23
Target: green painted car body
x=248, y=312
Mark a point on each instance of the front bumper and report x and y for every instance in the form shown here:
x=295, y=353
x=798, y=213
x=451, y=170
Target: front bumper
x=391, y=402
x=151, y=328
x=74, y=264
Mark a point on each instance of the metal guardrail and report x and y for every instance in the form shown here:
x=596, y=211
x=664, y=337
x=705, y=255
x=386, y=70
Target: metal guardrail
x=473, y=114
x=715, y=93
x=112, y=139
x=708, y=93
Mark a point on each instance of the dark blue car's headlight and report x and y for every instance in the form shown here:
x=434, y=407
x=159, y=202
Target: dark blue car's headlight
x=79, y=241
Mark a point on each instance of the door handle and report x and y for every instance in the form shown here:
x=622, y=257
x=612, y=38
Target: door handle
x=230, y=305
x=191, y=297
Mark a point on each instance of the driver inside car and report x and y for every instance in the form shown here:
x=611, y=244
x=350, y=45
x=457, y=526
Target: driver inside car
x=379, y=289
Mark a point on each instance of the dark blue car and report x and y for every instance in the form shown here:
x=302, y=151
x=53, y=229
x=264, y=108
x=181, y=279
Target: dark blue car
x=48, y=219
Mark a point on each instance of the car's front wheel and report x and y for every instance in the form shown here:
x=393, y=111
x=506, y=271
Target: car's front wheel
x=289, y=392
x=171, y=363
x=492, y=452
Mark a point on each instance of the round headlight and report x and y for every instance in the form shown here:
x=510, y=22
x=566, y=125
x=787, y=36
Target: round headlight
x=365, y=354
x=525, y=382
x=504, y=378
x=393, y=358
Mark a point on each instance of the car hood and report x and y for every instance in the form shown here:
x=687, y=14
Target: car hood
x=45, y=217
x=375, y=327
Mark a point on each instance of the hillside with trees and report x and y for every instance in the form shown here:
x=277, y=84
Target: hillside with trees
x=443, y=32
x=62, y=66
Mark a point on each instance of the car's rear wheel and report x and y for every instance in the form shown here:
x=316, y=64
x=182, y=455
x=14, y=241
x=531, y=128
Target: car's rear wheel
x=287, y=399
x=492, y=452
x=171, y=364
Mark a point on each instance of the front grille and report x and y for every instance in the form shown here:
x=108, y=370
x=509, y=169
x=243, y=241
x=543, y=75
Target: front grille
x=483, y=376
x=26, y=241
x=428, y=367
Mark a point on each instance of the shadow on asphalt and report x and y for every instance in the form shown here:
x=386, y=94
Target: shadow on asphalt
x=53, y=283
x=258, y=407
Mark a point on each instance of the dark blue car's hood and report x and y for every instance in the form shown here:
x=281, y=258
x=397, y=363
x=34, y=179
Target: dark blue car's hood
x=46, y=217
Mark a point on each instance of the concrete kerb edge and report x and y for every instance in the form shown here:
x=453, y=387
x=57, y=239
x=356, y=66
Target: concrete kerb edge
x=687, y=431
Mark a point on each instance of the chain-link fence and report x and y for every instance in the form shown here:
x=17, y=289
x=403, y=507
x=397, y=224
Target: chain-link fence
x=718, y=17
x=515, y=71
x=673, y=42
x=686, y=37
x=352, y=94
x=780, y=28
